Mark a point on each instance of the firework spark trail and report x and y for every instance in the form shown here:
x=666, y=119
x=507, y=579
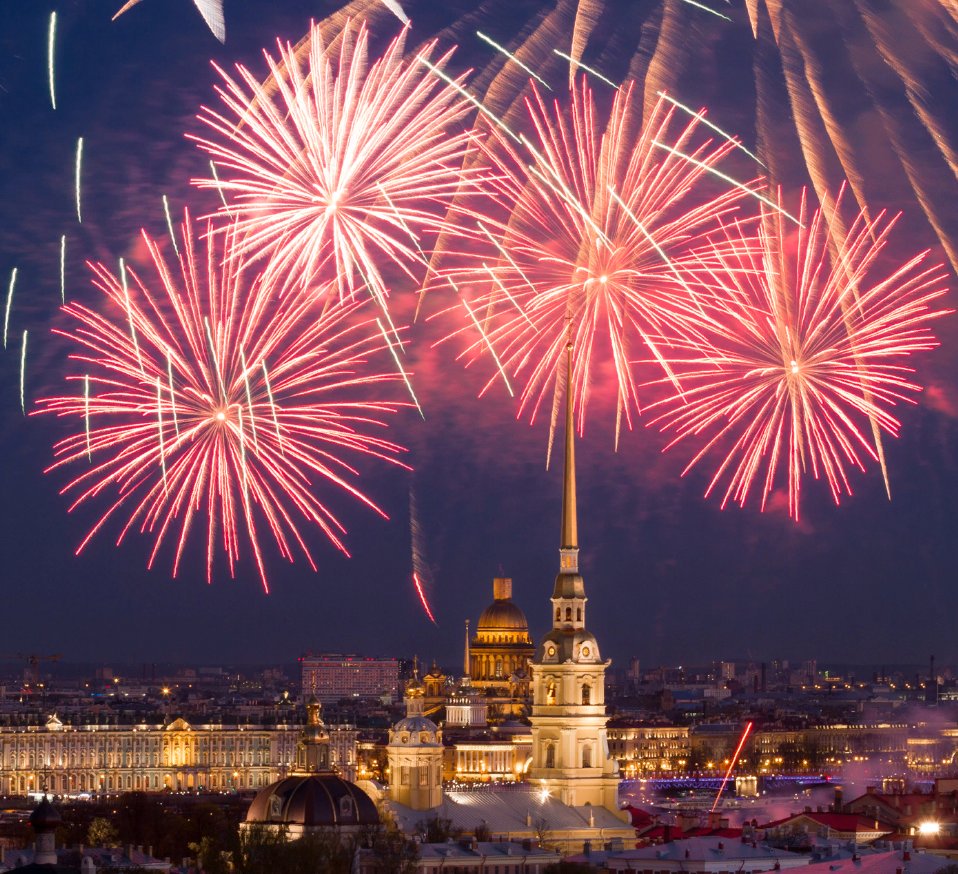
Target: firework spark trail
x=51, y=55
x=399, y=367
x=482, y=333
x=726, y=178
x=77, y=171
x=804, y=352
x=513, y=58
x=700, y=117
x=599, y=234
x=129, y=313
x=219, y=189
x=306, y=160
x=463, y=92
x=86, y=415
x=63, y=269
x=23, y=374
x=321, y=394
x=705, y=8
x=6, y=311
x=419, y=573
x=731, y=766
x=589, y=70
x=422, y=598
x=169, y=224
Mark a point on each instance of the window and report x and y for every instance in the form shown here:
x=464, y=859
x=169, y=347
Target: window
x=550, y=756
x=587, y=757
x=568, y=614
x=586, y=694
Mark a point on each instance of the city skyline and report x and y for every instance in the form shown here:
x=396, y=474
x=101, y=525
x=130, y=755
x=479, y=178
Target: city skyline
x=670, y=576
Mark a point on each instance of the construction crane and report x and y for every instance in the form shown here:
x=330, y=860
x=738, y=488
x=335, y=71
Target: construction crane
x=31, y=673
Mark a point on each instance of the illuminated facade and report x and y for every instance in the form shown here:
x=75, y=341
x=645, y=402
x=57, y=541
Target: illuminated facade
x=570, y=749
x=499, y=654
x=73, y=759
x=331, y=677
x=415, y=754
x=641, y=750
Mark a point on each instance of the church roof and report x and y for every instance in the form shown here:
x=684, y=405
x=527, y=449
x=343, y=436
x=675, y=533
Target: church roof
x=512, y=810
x=502, y=615
x=317, y=800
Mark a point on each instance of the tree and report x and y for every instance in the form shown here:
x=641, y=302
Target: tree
x=391, y=851
x=437, y=830
x=102, y=833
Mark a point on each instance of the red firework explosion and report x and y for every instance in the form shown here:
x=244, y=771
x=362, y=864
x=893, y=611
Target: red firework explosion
x=805, y=355
x=201, y=395
x=602, y=225
x=336, y=166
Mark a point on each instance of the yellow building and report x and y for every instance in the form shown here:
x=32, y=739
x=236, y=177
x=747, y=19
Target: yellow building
x=94, y=758
x=500, y=652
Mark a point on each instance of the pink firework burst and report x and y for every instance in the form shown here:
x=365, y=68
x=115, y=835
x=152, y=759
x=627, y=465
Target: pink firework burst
x=336, y=165
x=805, y=356
x=202, y=399
x=602, y=225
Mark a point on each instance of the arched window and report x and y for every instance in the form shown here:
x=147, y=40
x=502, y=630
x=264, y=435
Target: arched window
x=578, y=614
x=550, y=756
x=551, y=692
x=587, y=757
x=558, y=614
x=586, y=694
x=568, y=614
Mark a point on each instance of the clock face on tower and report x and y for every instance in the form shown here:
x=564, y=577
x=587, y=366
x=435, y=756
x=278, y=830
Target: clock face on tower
x=550, y=651
x=586, y=652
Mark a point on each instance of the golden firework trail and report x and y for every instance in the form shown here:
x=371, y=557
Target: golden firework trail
x=63, y=268
x=6, y=312
x=492, y=349
x=51, y=53
x=700, y=117
x=77, y=172
x=169, y=223
x=23, y=374
x=402, y=372
x=513, y=58
x=582, y=66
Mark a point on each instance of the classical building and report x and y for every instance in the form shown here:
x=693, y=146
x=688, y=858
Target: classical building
x=497, y=659
x=415, y=754
x=313, y=798
x=570, y=749
x=72, y=759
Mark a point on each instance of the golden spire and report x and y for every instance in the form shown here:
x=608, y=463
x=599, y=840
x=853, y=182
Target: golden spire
x=466, y=668
x=569, y=545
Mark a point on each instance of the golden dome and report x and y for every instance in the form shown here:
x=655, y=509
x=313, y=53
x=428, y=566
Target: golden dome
x=502, y=615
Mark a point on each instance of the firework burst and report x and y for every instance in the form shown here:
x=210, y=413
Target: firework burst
x=337, y=166
x=599, y=240
x=205, y=400
x=805, y=356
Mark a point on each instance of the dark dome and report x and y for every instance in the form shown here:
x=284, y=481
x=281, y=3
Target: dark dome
x=502, y=615
x=314, y=800
x=45, y=817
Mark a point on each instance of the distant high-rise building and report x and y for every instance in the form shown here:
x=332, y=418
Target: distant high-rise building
x=331, y=677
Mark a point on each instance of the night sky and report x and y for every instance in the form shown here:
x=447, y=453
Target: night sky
x=671, y=577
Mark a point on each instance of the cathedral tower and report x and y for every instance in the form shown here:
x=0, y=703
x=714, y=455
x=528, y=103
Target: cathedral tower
x=570, y=750
x=414, y=753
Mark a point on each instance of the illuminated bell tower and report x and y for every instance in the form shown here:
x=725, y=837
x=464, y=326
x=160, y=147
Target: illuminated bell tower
x=570, y=749
x=414, y=753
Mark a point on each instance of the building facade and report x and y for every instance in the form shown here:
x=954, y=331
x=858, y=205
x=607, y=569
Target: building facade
x=331, y=677
x=178, y=756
